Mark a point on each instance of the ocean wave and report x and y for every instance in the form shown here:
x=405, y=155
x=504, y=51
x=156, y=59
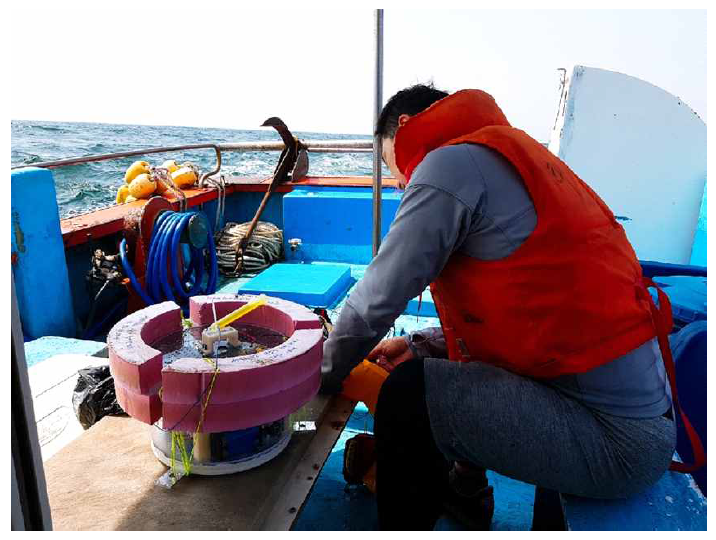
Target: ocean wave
x=46, y=127
x=31, y=158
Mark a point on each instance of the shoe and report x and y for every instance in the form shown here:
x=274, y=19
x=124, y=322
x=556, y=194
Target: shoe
x=358, y=458
x=474, y=512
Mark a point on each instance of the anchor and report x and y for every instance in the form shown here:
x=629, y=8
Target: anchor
x=292, y=166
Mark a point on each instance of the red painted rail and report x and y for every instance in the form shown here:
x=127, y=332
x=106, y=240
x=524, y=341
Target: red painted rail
x=80, y=229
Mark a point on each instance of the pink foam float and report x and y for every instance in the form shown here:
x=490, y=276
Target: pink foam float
x=248, y=391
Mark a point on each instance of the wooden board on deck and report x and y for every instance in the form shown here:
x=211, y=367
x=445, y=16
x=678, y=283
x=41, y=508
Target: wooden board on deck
x=104, y=480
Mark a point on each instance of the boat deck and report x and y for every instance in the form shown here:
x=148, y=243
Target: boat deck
x=104, y=478
x=334, y=506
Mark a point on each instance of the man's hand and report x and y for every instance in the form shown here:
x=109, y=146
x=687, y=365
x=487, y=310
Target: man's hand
x=389, y=353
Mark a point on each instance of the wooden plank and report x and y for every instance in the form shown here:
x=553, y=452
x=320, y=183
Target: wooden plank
x=104, y=480
x=283, y=511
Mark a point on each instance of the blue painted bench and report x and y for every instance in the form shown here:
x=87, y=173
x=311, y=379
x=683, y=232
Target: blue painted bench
x=676, y=502
x=673, y=504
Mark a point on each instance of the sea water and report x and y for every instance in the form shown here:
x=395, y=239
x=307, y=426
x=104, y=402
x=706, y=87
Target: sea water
x=87, y=187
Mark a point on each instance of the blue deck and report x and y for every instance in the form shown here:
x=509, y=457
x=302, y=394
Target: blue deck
x=674, y=503
x=43, y=348
x=334, y=506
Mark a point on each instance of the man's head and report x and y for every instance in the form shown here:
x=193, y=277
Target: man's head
x=400, y=107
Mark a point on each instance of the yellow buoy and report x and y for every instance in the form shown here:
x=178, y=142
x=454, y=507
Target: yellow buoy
x=122, y=194
x=170, y=165
x=135, y=169
x=142, y=186
x=130, y=199
x=184, y=177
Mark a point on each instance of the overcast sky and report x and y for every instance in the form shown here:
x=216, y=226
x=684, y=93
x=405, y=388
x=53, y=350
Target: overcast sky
x=230, y=67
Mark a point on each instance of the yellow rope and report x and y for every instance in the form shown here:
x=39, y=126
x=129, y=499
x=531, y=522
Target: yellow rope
x=178, y=438
x=173, y=468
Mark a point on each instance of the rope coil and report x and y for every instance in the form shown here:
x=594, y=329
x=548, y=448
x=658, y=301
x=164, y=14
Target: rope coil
x=263, y=249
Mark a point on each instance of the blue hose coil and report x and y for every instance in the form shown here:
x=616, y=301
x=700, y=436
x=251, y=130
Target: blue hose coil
x=163, y=250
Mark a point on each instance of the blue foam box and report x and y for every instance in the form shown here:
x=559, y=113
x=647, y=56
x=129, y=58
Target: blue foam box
x=334, y=224
x=316, y=285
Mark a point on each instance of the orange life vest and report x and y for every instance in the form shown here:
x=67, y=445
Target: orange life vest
x=567, y=300
x=572, y=296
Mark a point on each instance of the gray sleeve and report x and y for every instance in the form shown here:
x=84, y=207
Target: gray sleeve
x=429, y=225
x=428, y=343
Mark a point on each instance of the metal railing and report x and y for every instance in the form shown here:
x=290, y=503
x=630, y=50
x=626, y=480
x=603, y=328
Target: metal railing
x=337, y=146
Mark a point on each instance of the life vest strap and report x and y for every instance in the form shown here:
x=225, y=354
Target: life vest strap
x=664, y=322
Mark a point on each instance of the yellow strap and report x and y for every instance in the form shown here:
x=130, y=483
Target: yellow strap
x=243, y=310
x=178, y=438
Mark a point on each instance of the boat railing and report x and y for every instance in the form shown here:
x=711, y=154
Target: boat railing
x=327, y=146
x=317, y=146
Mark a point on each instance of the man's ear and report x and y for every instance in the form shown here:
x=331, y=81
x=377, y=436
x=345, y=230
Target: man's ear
x=402, y=119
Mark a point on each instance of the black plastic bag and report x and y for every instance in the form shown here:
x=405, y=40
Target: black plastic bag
x=94, y=396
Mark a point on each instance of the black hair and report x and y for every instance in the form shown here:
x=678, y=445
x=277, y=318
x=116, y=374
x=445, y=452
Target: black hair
x=409, y=101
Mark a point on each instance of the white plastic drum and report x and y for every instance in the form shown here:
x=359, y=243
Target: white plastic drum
x=258, y=451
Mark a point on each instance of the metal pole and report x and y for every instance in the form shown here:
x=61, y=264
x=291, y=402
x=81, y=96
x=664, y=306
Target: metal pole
x=377, y=141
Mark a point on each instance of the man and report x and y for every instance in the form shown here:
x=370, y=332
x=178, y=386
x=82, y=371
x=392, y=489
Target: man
x=545, y=368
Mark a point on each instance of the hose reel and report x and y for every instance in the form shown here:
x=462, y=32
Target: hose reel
x=174, y=255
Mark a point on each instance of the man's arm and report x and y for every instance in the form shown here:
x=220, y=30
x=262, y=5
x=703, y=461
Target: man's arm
x=430, y=224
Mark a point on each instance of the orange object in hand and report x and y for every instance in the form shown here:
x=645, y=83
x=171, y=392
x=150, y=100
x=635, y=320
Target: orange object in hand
x=364, y=383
